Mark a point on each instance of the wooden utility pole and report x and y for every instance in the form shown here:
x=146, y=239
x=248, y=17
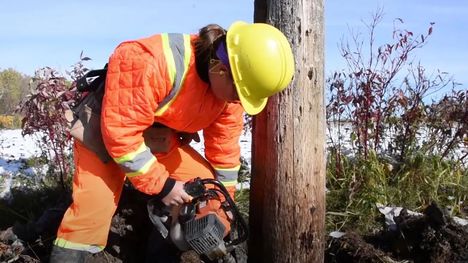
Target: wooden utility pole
x=287, y=199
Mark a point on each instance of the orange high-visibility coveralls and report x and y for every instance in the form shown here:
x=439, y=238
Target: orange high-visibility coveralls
x=149, y=80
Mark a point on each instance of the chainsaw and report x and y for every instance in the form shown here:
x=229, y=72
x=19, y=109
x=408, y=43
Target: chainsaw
x=192, y=227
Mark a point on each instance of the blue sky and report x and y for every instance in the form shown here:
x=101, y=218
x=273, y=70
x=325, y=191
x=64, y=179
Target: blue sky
x=34, y=34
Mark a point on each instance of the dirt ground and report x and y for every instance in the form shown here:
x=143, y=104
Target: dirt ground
x=132, y=237
x=431, y=237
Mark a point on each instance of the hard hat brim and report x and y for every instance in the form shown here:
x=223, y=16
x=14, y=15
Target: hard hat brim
x=250, y=104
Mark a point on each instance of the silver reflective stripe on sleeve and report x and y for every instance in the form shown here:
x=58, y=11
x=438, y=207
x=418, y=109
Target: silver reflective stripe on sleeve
x=137, y=162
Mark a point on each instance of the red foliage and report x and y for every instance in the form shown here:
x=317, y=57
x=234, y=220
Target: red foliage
x=367, y=93
x=43, y=111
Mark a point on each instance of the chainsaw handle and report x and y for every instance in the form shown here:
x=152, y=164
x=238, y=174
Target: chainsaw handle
x=240, y=222
x=195, y=188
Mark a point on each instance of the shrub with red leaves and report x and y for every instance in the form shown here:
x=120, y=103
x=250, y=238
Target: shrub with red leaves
x=43, y=111
x=387, y=108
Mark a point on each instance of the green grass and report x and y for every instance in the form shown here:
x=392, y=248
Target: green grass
x=31, y=194
x=356, y=186
x=242, y=202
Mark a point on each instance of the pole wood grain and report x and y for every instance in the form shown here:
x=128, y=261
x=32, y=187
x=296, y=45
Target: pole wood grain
x=287, y=199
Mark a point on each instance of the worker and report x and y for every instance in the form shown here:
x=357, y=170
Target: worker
x=160, y=91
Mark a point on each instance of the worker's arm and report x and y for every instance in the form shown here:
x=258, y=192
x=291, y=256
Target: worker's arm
x=222, y=148
x=133, y=87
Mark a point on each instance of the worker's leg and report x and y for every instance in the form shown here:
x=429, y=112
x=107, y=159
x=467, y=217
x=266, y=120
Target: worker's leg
x=96, y=192
x=185, y=163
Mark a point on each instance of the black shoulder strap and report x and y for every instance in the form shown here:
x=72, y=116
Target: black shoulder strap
x=92, y=80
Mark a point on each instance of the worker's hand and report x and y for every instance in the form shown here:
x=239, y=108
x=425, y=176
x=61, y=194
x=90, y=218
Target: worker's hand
x=177, y=196
x=185, y=137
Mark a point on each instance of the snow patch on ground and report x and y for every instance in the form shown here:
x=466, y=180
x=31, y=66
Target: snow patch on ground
x=15, y=149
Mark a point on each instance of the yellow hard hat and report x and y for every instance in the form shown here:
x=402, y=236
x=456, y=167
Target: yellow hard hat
x=261, y=62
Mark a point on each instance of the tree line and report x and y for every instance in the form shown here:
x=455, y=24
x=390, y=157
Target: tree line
x=13, y=88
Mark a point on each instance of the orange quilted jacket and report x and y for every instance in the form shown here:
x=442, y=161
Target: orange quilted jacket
x=155, y=80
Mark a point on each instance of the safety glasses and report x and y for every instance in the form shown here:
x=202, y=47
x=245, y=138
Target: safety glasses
x=216, y=67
